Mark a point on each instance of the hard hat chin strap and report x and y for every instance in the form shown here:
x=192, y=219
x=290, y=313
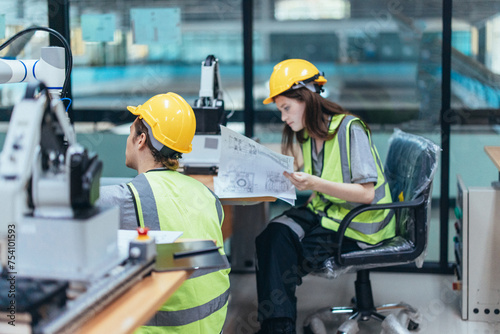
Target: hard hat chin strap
x=164, y=150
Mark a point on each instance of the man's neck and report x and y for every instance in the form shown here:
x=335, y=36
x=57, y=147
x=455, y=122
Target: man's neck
x=148, y=164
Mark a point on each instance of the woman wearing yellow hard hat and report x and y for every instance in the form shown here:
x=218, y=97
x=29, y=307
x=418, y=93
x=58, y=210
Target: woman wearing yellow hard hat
x=294, y=73
x=161, y=198
x=341, y=167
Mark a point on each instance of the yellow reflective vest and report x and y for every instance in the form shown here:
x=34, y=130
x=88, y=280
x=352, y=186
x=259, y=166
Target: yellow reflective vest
x=168, y=200
x=370, y=227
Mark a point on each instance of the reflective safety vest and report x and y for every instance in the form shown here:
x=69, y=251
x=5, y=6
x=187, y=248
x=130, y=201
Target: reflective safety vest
x=371, y=226
x=168, y=200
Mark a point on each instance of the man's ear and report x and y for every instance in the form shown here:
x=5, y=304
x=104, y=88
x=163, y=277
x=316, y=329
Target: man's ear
x=141, y=141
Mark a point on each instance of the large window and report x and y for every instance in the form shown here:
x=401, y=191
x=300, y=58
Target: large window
x=16, y=16
x=382, y=60
x=154, y=47
x=475, y=89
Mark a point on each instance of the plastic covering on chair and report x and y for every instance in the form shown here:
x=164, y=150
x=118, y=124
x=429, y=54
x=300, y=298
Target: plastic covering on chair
x=410, y=166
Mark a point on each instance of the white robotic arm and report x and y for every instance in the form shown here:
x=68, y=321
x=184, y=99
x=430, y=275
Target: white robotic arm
x=43, y=171
x=50, y=69
x=210, y=93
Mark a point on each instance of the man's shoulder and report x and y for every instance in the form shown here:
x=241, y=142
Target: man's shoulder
x=180, y=177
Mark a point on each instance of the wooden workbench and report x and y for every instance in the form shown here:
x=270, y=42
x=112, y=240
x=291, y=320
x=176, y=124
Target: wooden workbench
x=494, y=154
x=136, y=306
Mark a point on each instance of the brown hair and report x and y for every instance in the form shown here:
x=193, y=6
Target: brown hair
x=316, y=118
x=167, y=162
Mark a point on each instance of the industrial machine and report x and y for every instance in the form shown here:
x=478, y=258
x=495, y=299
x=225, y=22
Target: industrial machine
x=204, y=159
x=59, y=252
x=50, y=184
x=477, y=243
x=56, y=245
x=209, y=107
x=210, y=114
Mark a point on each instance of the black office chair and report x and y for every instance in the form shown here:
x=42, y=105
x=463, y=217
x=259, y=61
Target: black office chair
x=410, y=167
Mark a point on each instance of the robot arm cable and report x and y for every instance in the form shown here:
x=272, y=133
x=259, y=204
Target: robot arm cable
x=67, y=48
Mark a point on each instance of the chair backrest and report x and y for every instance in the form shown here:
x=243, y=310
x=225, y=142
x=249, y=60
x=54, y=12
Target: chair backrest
x=410, y=166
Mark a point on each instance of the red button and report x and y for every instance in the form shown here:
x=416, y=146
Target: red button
x=142, y=231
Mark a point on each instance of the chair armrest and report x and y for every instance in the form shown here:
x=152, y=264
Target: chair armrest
x=416, y=204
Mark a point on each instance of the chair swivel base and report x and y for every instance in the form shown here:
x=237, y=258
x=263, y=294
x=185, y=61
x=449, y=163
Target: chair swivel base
x=314, y=325
x=363, y=310
x=365, y=315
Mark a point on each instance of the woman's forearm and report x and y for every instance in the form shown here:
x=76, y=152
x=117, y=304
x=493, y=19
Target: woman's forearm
x=351, y=192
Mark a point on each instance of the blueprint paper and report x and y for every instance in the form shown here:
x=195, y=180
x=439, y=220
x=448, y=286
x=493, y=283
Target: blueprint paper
x=248, y=169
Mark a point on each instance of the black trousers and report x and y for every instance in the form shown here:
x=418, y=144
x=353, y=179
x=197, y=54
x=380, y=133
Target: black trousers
x=283, y=259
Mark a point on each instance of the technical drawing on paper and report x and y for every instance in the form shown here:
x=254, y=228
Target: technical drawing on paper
x=241, y=146
x=276, y=182
x=282, y=160
x=248, y=169
x=238, y=182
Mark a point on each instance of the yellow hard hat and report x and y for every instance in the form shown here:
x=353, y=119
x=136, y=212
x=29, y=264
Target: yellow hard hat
x=291, y=72
x=171, y=119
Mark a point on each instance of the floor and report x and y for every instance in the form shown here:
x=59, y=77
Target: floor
x=438, y=304
x=431, y=294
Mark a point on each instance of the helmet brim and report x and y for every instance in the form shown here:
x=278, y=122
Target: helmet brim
x=268, y=100
x=134, y=110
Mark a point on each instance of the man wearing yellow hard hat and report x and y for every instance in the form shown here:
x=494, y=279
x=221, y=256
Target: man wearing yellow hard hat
x=161, y=198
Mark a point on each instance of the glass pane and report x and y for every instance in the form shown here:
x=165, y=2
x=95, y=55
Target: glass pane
x=475, y=96
x=156, y=47
x=15, y=16
x=309, y=10
x=382, y=60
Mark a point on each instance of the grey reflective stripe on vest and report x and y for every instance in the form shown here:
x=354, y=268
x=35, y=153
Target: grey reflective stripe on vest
x=369, y=228
x=218, y=206
x=190, y=315
x=344, y=161
x=379, y=191
x=148, y=203
x=346, y=171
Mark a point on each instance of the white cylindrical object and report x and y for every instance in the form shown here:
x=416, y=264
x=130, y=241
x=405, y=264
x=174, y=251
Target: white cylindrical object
x=317, y=326
x=390, y=325
x=50, y=69
x=349, y=327
x=14, y=71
